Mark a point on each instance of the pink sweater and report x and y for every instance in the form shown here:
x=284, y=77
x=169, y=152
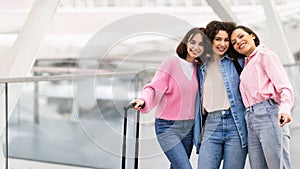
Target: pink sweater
x=172, y=92
x=263, y=78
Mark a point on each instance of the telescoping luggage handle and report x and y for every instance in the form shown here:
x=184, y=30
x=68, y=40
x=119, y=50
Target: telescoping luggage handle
x=137, y=133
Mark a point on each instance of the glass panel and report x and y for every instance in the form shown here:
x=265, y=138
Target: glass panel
x=64, y=128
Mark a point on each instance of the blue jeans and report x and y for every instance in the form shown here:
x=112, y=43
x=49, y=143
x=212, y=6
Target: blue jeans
x=176, y=140
x=221, y=141
x=264, y=137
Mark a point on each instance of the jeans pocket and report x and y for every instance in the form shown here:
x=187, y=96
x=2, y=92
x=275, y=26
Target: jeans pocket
x=162, y=125
x=260, y=111
x=274, y=109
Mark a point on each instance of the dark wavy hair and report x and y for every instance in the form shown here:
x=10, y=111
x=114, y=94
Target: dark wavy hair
x=182, y=47
x=232, y=52
x=213, y=28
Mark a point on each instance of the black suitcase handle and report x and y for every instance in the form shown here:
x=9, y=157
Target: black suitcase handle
x=137, y=134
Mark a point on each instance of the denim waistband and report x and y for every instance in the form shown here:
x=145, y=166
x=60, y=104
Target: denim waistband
x=261, y=104
x=220, y=112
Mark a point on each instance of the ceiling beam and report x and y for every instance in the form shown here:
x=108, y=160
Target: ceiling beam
x=223, y=10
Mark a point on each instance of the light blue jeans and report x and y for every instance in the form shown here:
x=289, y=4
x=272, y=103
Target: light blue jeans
x=264, y=137
x=221, y=141
x=176, y=140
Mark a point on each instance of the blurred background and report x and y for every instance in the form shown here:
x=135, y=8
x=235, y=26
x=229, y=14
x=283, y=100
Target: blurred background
x=68, y=67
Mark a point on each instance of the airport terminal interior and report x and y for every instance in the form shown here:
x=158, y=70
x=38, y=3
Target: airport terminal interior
x=68, y=68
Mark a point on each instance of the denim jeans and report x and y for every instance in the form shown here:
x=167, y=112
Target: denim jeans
x=221, y=141
x=264, y=137
x=176, y=140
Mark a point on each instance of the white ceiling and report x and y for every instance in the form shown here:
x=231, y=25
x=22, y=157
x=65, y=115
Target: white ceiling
x=73, y=27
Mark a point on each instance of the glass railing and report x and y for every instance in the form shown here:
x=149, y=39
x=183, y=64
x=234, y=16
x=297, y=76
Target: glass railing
x=293, y=71
x=72, y=120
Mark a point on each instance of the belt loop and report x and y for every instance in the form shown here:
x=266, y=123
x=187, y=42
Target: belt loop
x=249, y=109
x=271, y=102
x=223, y=112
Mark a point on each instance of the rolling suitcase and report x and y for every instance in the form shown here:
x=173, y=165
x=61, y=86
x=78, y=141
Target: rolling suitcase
x=137, y=132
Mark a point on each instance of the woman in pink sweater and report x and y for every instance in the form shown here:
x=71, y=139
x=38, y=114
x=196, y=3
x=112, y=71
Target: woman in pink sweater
x=173, y=90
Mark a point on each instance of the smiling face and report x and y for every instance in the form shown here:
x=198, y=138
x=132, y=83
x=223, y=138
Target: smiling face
x=220, y=43
x=195, y=47
x=243, y=42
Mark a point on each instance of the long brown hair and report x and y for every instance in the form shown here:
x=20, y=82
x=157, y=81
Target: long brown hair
x=182, y=47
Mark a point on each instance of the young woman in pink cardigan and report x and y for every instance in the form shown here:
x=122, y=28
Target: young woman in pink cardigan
x=268, y=96
x=173, y=90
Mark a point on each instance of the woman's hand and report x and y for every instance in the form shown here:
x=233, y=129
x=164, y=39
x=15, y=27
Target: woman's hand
x=286, y=118
x=138, y=104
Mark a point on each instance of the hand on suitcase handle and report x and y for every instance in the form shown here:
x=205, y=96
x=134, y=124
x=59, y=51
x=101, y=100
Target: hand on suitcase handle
x=136, y=104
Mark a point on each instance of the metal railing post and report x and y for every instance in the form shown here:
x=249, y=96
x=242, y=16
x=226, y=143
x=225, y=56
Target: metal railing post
x=36, y=103
x=6, y=126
